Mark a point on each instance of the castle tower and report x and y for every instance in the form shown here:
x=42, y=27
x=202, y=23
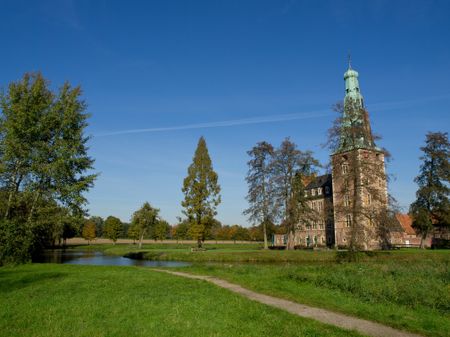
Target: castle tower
x=358, y=174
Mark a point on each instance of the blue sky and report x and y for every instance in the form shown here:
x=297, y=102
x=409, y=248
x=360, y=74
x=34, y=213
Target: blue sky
x=236, y=72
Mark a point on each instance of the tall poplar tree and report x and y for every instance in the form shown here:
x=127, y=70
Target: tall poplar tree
x=201, y=193
x=432, y=205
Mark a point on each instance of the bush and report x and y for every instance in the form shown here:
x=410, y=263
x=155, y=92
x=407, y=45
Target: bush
x=16, y=242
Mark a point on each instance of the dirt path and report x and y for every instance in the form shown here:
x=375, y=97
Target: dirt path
x=322, y=315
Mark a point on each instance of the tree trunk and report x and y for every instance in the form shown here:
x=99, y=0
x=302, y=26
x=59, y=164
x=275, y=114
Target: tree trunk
x=33, y=206
x=199, y=243
x=290, y=241
x=422, y=240
x=8, y=206
x=266, y=246
x=16, y=184
x=140, y=240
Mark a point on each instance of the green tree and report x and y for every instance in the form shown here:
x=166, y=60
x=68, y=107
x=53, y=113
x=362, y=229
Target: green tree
x=134, y=232
x=43, y=155
x=181, y=231
x=161, y=230
x=146, y=218
x=89, y=231
x=201, y=193
x=432, y=205
x=113, y=228
x=98, y=225
x=261, y=197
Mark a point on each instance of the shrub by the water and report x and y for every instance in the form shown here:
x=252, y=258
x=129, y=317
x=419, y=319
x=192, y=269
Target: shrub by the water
x=16, y=242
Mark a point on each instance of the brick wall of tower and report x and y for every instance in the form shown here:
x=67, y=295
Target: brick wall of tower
x=370, y=195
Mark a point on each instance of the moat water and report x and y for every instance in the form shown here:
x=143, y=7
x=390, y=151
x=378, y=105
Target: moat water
x=96, y=258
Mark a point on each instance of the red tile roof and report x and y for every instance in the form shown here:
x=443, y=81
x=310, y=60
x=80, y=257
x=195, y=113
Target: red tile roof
x=406, y=222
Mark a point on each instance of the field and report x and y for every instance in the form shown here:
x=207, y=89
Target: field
x=66, y=300
x=405, y=289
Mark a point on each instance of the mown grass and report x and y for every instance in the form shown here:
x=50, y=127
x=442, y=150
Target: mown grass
x=68, y=300
x=408, y=291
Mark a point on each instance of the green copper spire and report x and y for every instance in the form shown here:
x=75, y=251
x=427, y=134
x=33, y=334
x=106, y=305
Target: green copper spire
x=355, y=127
x=352, y=85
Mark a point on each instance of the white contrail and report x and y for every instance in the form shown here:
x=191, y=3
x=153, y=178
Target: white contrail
x=273, y=118
x=245, y=121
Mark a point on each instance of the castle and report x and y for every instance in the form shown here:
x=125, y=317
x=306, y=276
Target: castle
x=350, y=200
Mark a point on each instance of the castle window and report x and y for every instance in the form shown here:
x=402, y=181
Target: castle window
x=346, y=201
x=348, y=220
x=314, y=225
x=369, y=199
x=319, y=191
x=344, y=168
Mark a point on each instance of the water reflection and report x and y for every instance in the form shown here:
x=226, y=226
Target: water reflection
x=87, y=257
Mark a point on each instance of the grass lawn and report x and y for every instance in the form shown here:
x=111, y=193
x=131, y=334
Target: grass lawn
x=71, y=300
x=409, y=291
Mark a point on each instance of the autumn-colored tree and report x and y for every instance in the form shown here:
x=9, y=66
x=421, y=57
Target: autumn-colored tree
x=201, y=193
x=89, y=231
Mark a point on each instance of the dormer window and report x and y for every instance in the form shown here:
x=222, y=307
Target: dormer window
x=319, y=191
x=306, y=194
x=313, y=192
x=327, y=190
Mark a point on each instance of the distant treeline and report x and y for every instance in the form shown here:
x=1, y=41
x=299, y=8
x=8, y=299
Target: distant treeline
x=162, y=230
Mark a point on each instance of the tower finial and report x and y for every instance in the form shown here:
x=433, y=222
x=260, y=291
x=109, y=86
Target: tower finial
x=349, y=60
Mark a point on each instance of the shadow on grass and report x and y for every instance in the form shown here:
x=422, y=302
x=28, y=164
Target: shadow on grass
x=11, y=280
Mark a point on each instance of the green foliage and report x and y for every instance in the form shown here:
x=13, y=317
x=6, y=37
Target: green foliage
x=201, y=193
x=161, y=230
x=432, y=205
x=43, y=157
x=16, y=242
x=89, y=230
x=181, y=231
x=145, y=219
x=134, y=232
x=113, y=228
x=98, y=225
